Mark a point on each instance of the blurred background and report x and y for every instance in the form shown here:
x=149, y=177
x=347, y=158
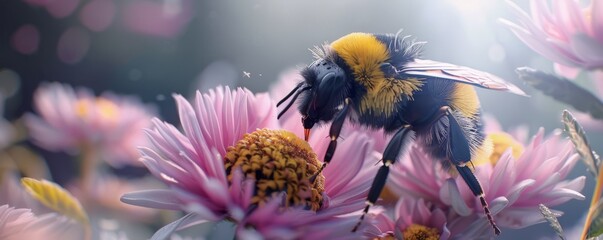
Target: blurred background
x=155, y=48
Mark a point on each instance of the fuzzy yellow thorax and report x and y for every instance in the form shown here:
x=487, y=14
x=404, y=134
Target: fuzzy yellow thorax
x=464, y=99
x=364, y=54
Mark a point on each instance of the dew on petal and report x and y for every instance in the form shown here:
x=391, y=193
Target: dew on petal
x=61, y=8
x=97, y=15
x=26, y=39
x=73, y=45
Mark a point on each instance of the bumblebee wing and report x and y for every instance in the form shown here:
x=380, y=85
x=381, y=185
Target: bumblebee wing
x=429, y=68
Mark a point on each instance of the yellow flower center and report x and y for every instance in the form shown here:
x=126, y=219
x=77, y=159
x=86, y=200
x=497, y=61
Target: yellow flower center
x=500, y=142
x=420, y=232
x=279, y=161
x=105, y=108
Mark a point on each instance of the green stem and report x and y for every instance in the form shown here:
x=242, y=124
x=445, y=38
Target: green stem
x=89, y=161
x=593, y=203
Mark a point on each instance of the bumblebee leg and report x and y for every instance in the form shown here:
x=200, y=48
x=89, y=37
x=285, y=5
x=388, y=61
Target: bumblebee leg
x=396, y=145
x=459, y=155
x=334, y=132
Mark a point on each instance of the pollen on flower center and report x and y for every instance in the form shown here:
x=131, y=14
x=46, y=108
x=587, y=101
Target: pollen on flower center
x=105, y=108
x=420, y=232
x=279, y=161
x=501, y=142
x=498, y=143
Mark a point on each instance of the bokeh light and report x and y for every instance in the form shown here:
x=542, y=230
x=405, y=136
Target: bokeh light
x=26, y=39
x=73, y=45
x=97, y=15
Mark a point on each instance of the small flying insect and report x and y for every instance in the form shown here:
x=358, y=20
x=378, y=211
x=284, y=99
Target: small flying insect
x=379, y=81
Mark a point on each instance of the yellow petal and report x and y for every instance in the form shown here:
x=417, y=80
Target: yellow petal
x=56, y=198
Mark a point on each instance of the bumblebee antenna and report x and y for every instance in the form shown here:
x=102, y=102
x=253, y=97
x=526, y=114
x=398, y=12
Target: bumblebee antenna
x=292, y=100
x=289, y=94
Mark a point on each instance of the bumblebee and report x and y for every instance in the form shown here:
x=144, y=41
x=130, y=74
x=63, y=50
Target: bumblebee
x=379, y=81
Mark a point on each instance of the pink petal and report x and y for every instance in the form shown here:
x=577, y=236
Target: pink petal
x=541, y=14
x=597, y=19
x=520, y=218
x=241, y=190
x=498, y=204
x=541, y=46
x=588, y=49
x=503, y=173
x=217, y=191
x=576, y=184
x=205, y=108
x=157, y=198
x=347, y=163
x=267, y=212
x=202, y=212
x=193, y=132
x=566, y=71
x=571, y=16
x=515, y=192
x=450, y=194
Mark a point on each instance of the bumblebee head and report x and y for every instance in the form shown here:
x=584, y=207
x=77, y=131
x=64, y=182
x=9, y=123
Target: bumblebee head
x=322, y=92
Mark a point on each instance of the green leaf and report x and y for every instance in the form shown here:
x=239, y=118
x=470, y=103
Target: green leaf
x=578, y=136
x=56, y=198
x=563, y=90
x=595, y=227
x=552, y=219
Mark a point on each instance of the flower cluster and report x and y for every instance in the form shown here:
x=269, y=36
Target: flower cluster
x=512, y=176
x=231, y=159
x=231, y=163
x=221, y=169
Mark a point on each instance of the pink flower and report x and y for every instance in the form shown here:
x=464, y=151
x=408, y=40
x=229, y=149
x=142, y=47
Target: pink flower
x=21, y=223
x=412, y=218
x=565, y=33
x=74, y=121
x=515, y=178
x=227, y=164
